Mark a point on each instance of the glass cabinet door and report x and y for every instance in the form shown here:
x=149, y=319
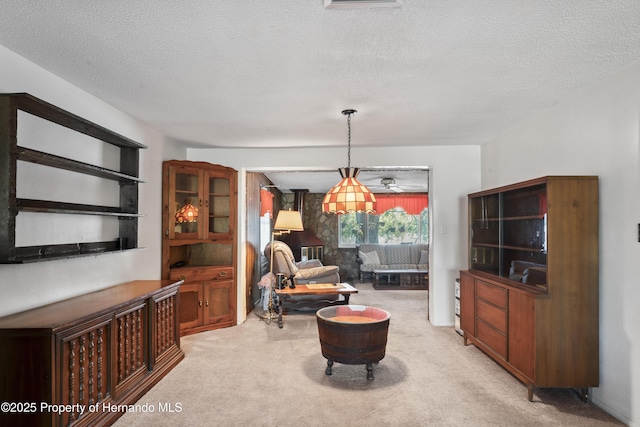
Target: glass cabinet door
x=524, y=235
x=218, y=201
x=508, y=234
x=186, y=203
x=485, y=233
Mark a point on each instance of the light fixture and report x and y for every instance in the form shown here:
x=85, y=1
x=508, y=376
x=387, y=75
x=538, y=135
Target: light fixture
x=286, y=222
x=187, y=213
x=349, y=195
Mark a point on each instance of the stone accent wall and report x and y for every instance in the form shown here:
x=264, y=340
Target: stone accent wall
x=325, y=226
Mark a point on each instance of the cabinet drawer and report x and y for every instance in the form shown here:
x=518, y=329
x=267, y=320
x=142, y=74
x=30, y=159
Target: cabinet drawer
x=190, y=274
x=492, y=338
x=491, y=293
x=492, y=315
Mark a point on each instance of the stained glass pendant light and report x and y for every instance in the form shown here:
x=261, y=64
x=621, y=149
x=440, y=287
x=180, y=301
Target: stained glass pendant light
x=349, y=195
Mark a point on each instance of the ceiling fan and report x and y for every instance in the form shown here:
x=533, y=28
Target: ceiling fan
x=389, y=184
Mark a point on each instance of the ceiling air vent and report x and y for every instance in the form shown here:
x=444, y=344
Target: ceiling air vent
x=354, y=4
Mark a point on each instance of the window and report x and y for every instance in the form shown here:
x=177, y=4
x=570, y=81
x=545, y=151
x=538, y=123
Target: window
x=392, y=227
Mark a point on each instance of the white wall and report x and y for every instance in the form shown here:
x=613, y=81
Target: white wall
x=594, y=133
x=455, y=172
x=31, y=285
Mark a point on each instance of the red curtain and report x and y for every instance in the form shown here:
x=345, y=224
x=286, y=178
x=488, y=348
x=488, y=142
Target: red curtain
x=412, y=204
x=542, y=202
x=266, y=202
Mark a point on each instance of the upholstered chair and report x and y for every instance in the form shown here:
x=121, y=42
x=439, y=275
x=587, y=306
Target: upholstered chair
x=312, y=271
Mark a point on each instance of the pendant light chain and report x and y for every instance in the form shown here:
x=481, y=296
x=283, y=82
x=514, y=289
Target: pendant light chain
x=349, y=140
x=349, y=195
x=349, y=113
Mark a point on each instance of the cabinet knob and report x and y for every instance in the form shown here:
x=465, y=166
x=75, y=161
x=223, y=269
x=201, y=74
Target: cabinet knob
x=222, y=274
x=200, y=303
x=206, y=303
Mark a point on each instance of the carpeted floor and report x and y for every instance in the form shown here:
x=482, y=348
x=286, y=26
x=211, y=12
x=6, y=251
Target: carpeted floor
x=256, y=374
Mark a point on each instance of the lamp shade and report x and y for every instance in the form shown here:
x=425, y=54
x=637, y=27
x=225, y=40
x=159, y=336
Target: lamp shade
x=187, y=213
x=288, y=220
x=349, y=195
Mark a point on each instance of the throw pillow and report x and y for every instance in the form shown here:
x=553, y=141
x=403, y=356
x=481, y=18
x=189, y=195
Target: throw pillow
x=424, y=257
x=369, y=257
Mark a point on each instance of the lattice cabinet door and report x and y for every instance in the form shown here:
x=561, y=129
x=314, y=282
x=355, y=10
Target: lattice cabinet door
x=165, y=327
x=86, y=362
x=132, y=356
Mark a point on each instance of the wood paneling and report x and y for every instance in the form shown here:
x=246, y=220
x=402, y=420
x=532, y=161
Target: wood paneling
x=257, y=263
x=252, y=244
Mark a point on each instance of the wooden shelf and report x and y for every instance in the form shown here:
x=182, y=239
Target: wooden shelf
x=515, y=248
x=512, y=218
x=29, y=254
x=44, y=110
x=34, y=156
x=30, y=205
x=11, y=205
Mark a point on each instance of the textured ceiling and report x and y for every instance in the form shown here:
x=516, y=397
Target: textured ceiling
x=256, y=73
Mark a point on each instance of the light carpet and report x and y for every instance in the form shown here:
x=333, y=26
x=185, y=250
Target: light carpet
x=256, y=374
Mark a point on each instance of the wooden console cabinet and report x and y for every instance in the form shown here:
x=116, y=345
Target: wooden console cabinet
x=90, y=352
x=199, y=242
x=530, y=297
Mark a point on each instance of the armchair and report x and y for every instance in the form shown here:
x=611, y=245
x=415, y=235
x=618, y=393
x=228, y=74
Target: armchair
x=303, y=272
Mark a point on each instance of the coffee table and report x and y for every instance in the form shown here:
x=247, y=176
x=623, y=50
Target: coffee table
x=343, y=289
x=401, y=279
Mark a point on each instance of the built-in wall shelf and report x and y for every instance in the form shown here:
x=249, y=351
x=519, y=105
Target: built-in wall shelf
x=12, y=152
x=46, y=159
x=70, y=208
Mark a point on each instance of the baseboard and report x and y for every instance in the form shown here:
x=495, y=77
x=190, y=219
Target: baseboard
x=611, y=411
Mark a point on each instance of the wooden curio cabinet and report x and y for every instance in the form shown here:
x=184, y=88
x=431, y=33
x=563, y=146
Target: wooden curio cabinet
x=199, y=241
x=530, y=297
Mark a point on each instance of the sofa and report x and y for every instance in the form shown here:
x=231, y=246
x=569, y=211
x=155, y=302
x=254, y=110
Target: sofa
x=371, y=257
